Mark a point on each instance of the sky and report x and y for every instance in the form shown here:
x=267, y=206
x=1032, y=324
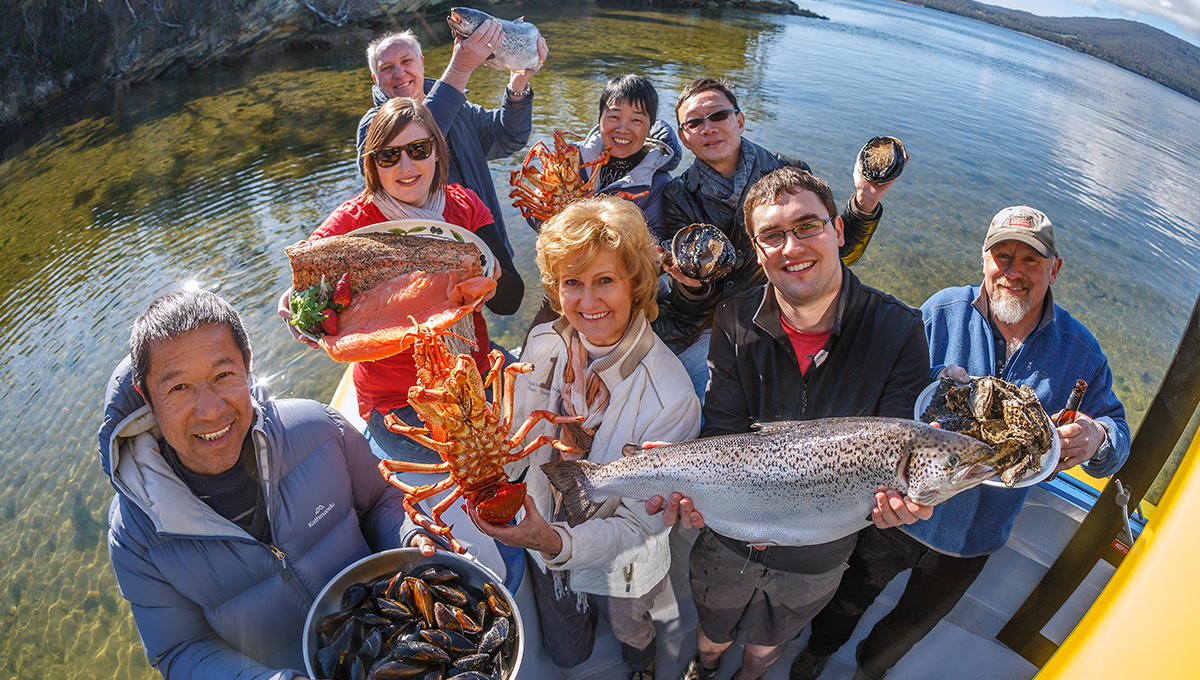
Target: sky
x=1177, y=17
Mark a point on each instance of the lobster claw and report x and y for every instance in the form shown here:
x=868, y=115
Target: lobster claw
x=500, y=503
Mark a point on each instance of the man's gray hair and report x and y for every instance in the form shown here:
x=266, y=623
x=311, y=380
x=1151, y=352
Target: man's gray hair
x=377, y=46
x=174, y=314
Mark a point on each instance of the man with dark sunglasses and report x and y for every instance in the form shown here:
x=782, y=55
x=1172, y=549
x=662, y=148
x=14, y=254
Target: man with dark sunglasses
x=475, y=134
x=711, y=191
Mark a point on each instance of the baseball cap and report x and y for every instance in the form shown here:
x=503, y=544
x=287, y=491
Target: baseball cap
x=1024, y=224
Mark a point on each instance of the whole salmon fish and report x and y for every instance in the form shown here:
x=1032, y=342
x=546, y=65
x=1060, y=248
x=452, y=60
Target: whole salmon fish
x=788, y=483
x=517, y=52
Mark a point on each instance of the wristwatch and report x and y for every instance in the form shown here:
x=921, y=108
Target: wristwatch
x=522, y=94
x=1105, y=446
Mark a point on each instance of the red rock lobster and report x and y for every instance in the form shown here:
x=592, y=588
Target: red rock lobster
x=541, y=192
x=471, y=437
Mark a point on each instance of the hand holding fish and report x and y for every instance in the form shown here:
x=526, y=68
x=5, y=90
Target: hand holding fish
x=520, y=79
x=531, y=533
x=471, y=51
x=677, y=509
x=893, y=510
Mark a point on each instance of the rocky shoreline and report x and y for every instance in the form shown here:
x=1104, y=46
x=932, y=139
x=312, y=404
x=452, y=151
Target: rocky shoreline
x=64, y=55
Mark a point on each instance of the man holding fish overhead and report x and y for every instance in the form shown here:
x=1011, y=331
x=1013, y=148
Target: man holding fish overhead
x=1007, y=327
x=814, y=342
x=711, y=191
x=475, y=134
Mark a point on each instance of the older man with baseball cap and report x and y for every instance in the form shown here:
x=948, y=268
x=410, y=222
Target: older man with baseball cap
x=1008, y=327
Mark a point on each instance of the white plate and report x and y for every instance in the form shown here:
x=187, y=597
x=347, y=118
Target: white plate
x=434, y=229
x=1049, y=458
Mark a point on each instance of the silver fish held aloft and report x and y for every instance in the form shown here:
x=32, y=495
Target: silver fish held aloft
x=517, y=52
x=788, y=483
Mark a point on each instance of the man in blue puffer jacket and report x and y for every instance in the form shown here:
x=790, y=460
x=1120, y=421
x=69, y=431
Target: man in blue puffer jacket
x=232, y=510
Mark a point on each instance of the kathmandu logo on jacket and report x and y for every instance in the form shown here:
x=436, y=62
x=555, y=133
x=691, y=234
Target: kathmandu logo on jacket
x=320, y=512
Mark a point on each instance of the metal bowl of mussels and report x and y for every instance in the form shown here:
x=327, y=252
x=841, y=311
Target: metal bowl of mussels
x=398, y=614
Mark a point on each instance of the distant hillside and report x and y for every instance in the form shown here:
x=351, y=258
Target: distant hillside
x=1143, y=49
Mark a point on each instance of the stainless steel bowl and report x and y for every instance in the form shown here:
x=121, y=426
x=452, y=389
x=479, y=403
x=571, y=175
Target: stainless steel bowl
x=470, y=573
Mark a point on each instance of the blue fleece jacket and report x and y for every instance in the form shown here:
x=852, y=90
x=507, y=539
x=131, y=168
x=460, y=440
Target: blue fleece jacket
x=1058, y=352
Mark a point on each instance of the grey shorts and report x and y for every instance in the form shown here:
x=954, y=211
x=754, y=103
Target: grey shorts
x=742, y=601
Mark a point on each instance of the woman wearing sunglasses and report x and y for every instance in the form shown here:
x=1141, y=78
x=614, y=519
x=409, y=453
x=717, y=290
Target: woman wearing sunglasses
x=405, y=166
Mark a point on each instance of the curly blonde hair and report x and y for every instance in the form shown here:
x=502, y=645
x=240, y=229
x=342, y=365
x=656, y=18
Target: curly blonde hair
x=588, y=225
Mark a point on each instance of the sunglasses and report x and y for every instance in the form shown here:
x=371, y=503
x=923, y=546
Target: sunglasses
x=693, y=124
x=388, y=156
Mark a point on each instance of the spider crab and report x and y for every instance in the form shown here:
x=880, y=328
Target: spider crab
x=471, y=436
x=543, y=189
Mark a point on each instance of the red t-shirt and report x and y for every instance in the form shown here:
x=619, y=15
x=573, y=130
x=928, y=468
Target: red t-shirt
x=383, y=385
x=806, y=345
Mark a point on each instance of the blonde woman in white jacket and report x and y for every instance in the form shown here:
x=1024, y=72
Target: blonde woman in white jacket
x=599, y=360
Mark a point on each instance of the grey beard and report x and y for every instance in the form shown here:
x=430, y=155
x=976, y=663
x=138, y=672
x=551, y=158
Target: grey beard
x=1008, y=309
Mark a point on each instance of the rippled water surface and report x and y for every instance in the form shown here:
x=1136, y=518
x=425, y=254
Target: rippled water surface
x=207, y=176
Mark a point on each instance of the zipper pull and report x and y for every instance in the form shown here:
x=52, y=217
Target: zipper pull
x=278, y=554
x=628, y=571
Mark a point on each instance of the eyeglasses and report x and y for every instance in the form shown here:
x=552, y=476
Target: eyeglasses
x=776, y=238
x=388, y=156
x=693, y=124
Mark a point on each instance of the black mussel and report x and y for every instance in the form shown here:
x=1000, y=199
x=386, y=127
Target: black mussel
x=352, y=669
x=396, y=670
x=370, y=618
x=882, y=159
x=372, y=645
x=348, y=638
x=421, y=651
x=437, y=574
x=327, y=661
x=435, y=673
x=471, y=675
x=409, y=632
x=355, y=595
x=395, y=586
x=329, y=626
x=472, y=662
x=483, y=614
x=380, y=586
x=394, y=609
x=455, y=644
x=450, y=594
x=449, y=617
x=495, y=635
x=421, y=597
x=496, y=600
x=702, y=252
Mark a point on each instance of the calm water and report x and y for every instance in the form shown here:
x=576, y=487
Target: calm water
x=208, y=176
